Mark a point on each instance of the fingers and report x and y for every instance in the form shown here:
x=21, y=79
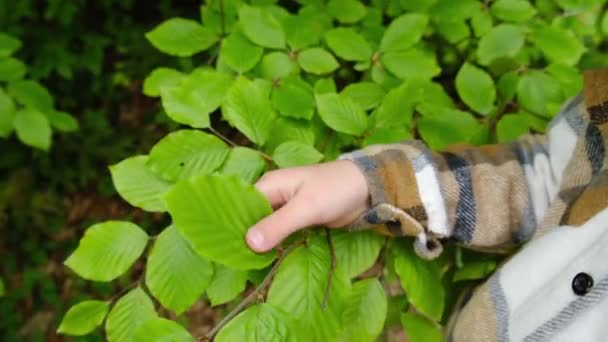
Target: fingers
x=279, y=186
x=270, y=231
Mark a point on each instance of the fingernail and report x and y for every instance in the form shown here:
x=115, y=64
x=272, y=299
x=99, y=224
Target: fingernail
x=255, y=239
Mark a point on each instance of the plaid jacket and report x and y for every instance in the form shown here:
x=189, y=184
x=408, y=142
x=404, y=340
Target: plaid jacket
x=551, y=190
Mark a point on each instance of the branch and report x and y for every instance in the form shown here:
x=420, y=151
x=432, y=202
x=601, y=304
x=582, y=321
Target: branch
x=253, y=295
x=332, y=267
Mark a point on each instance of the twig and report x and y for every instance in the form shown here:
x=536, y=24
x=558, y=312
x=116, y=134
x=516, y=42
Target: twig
x=332, y=267
x=221, y=136
x=233, y=144
x=253, y=295
x=266, y=156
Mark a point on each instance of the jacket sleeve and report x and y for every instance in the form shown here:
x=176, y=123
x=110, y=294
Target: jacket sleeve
x=488, y=198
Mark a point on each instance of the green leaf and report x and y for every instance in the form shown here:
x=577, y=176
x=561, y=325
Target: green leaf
x=367, y=95
x=535, y=123
x=536, y=90
x=475, y=270
x=62, y=121
x=414, y=63
x=83, y=317
x=347, y=44
x=421, y=280
x=383, y=77
x=214, y=213
x=220, y=19
x=387, y=136
x=305, y=29
x=248, y=108
x=11, y=69
x=397, y=106
x=455, y=10
x=432, y=93
x=513, y=10
x=476, y=88
x=175, y=274
x=192, y=100
x=186, y=154
x=8, y=44
x=259, y=323
x=295, y=153
x=416, y=6
x=404, y=32
x=346, y=11
x=356, y=252
x=261, y=27
x=481, y=22
x=418, y=328
x=453, y=31
x=239, y=53
x=277, y=65
x=226, y=285
x=507, y=85
x=444, y=127
x=245, y=163
x=503, y=40
x=317, y=61
x=31, y=94
x=107, y=250
x=33, y=128
x=130, y=312
x=294, y=98
x=161, y=329
x=2, y=290
x=138, y=185
x=161, y=78
x=299, y=288
x=285, y=129
x=341, y=113
x=365, y=313
x=325, y=85
x=510, y=127
x=570, y=79
x=181, y=37
x=559, y=45
x=7, y=114
x=604, y=24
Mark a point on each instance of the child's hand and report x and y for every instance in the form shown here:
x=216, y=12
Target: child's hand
x=332, y=194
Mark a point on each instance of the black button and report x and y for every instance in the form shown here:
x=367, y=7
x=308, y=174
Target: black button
x=582, y=283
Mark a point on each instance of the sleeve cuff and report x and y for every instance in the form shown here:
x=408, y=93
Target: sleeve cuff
x=396, y=206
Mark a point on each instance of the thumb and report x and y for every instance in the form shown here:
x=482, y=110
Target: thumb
x=270, y=231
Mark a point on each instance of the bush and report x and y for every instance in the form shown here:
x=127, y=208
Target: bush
x=301, y=84
x=26, y=106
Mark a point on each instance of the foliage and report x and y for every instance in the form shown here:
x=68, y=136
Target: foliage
x=91, y=56
x=305, y=83
x=26, y=107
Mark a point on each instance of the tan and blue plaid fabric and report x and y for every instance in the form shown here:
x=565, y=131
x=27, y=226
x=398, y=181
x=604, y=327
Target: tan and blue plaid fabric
x=493, y=197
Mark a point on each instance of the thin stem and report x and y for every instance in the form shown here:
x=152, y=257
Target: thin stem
x=233, y=144
x=325, y=142
x=222, y=17
x=382, y=259
x=266, y=156
x=221, y=136
x=332, y=267
x=253, y=295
